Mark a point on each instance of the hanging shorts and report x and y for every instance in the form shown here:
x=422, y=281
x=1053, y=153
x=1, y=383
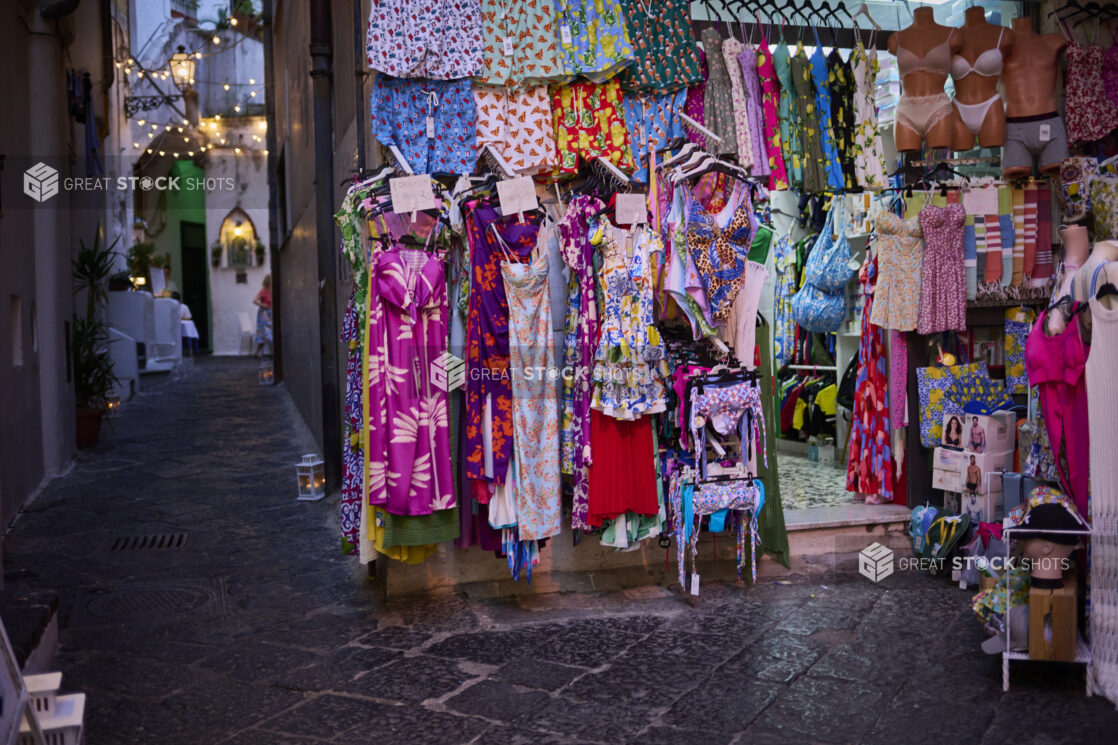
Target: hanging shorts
x=593, y=38
x=438, y=39
x=590, y=123
x=519, y=126
x=520, y=43
x=667, y=55
x=401, y=108
x=1040, y=140
x=653, y=122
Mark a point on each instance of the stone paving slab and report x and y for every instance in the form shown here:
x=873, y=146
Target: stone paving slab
x=304, y=651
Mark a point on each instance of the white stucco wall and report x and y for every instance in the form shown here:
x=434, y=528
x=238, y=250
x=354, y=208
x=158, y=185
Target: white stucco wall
x=250, y=173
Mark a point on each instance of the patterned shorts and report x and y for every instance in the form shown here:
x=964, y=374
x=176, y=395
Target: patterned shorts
x=590, y=123
x=401, y=108
x=518, y=125
x=653, y=123
x=438, y=39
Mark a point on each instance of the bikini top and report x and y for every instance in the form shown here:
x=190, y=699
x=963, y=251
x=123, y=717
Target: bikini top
x=936, y=60
x=988, y=64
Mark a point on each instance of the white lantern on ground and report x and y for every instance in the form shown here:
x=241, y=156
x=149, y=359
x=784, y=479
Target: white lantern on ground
x=112, y=405
x=312, y=478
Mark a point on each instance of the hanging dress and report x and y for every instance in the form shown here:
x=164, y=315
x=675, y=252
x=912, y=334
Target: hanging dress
x=731, y=48
x=899, y=245
x=771, y=106
x=869, y=469
x=815, y=172
x=943, y=294
x=755, y=119
x=535, y=399
x=791, y=143
x=1089, y=114
x=718, y=103
x=869, y=154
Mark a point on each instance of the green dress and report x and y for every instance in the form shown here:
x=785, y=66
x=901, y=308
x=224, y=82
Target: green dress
x=790, y=145
x=815, y=171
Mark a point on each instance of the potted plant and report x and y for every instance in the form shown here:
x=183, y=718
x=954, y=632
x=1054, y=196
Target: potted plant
x=141, y=259
x=259, y=253
x=89, y=338
x=215, y=254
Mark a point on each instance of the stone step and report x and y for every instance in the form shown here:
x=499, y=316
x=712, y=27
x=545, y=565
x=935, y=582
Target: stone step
x=819, y=543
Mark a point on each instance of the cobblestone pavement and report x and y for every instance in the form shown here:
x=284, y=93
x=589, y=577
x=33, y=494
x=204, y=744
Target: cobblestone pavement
x=256, y=632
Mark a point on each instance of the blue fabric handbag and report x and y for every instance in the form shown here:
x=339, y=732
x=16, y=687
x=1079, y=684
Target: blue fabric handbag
x=816, y=310
x=828, y=264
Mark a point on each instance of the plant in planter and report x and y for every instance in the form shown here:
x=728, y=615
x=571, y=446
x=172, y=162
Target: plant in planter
x=140, y=260
x=89, y=337
x=215, y=254
x=259, y=253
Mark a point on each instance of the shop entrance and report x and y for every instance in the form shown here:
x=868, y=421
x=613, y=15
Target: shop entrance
x=195, y=279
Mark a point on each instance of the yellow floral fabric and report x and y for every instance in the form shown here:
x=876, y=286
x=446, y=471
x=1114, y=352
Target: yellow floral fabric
x=1018, y=322
x=932, y=385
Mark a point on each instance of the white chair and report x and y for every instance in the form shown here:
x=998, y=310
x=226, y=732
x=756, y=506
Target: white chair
x=126, y=366
x=248, y=332
x=166, y=352
x=133, y=313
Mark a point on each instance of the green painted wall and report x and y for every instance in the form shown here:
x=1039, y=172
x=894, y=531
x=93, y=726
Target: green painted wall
x=185, y=204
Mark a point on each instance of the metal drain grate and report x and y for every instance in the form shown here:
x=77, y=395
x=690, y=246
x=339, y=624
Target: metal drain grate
x=170, y=601
x=149, y=542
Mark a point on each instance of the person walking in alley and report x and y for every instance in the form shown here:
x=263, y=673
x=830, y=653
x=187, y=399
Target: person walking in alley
x=263, y=303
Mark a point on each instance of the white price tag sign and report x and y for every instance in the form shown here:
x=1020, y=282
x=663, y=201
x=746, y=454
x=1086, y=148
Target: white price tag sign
x=981, y=201
x=430, y=128
x=412, y=194
x=632, y=209
x=565, y=34
x=507, y=46
x=517, y=196
x=694, y=584
x=1045, y=132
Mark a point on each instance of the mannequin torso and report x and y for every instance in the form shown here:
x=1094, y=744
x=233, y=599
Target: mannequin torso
x=1031, y=70
x=924, y=51
x=977, y=69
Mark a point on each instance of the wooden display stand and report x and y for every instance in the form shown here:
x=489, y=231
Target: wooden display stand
x=1053, y=622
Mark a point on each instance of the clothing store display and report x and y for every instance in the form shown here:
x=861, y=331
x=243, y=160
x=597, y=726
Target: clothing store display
x=791, y=142
x=840, y=85
x=832, y=163
x=922, y=113
x=653, y=122
x=811, y=127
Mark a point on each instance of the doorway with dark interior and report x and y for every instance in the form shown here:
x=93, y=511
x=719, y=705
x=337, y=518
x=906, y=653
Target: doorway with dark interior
x=195, y=279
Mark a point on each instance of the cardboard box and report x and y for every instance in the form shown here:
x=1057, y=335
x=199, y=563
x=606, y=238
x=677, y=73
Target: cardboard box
x=950, y=469
x=1053, y=625
x=998, y=432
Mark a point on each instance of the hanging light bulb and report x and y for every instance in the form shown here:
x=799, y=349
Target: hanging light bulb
x=237, y=108
x=226, y=86
x=252, y=81
x=161, y=153
x=149, y=151
x=217, y=117
x=232, y=21
x=198, y=55
x=176, y=155
x=252, y=94
x=151, y=134
x=186, y=121
x=186, y=139
x=180, y=129
x=190, y=153
x=136, y=145
x=155, y=126
x=237, y=150
x=167, y=127
x=141, y=122
x=216, y=39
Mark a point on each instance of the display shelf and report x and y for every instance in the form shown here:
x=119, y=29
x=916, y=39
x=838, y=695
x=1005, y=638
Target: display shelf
x=1082, y=653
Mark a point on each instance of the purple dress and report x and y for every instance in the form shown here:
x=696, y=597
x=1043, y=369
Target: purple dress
x=409, y=445
x=694, y=106
x=943, y=291
x=755, y=112
x=493, y=240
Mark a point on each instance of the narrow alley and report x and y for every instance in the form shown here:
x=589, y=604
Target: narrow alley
x=256, y=631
